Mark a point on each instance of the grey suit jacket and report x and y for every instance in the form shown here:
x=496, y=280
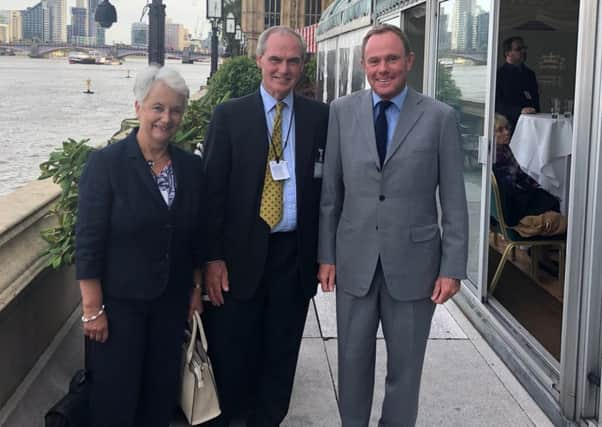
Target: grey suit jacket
x=367, y=213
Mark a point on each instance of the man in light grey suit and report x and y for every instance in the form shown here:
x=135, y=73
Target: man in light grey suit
x=390, y=152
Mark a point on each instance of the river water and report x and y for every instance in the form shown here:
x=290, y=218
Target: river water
x=42, y=104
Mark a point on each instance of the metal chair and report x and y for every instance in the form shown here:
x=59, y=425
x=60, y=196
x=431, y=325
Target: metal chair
x=513, y=240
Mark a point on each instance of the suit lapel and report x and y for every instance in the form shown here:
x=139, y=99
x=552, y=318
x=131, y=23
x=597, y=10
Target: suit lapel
x=139, y=165
x=365, y=116
x=303, y=144
x=256, y=143
x=408, y=117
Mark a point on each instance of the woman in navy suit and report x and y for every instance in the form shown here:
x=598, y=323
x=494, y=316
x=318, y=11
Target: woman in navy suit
x=139, y=248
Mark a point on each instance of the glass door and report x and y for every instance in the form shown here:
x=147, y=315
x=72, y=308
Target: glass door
x=462, y=80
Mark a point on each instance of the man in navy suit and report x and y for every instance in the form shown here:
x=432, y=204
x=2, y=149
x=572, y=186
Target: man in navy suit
x=263, y=166
x=516, y=90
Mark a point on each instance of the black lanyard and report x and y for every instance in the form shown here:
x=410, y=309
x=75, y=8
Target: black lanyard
x=288, y=134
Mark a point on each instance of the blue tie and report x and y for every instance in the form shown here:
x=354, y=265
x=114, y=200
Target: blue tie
x=381, y=131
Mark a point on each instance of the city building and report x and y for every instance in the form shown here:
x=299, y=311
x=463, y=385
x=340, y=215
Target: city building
x=95, y=31
x=78, y=31
x=462, y=25
x=139, y=35
x=175, y=36
x=4, y=33
x=36, y=22
x=15, y=25
x=58, y=20
x=100, y=36
x=257, y=15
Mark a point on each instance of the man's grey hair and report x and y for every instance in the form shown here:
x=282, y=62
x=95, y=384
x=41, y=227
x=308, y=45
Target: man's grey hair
x=279, y=29
x=154, y=73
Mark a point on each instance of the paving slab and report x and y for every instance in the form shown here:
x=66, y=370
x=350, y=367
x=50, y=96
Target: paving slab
x=312, y=329
x=325, y=303
x=313, y=402
x=443, y=327
x=458, y=389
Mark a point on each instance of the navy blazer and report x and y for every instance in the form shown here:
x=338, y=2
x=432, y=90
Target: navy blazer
x=235, y=159
x=126, y=236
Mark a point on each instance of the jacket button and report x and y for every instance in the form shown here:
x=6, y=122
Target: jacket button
x=381, y=197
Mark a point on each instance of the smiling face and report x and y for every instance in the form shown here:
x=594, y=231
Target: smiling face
x=502, y=134
x=281, y=64
x=160, y=113
x=386, y=64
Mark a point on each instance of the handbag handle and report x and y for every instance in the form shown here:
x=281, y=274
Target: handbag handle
x=197, y=328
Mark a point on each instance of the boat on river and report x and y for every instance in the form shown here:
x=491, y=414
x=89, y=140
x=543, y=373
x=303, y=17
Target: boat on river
x=81, y=58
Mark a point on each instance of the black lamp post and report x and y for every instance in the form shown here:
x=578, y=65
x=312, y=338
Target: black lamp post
x=106, y=15
x=214, y=15
x=156, y=33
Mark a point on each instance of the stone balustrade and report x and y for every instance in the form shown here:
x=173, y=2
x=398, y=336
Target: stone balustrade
x=35, y=300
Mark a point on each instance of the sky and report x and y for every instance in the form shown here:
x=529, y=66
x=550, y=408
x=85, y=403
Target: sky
x=190, y=13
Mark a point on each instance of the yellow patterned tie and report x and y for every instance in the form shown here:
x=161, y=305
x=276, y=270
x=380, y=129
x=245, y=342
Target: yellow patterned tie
x=271, y=197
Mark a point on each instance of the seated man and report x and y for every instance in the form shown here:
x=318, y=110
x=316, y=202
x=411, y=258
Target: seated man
x=521, y=195
x=516, y=90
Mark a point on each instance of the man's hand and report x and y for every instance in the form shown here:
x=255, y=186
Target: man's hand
x=528, y=110
x=445, y=288
x=326, y=276
x=195, y=302
x=216, y=280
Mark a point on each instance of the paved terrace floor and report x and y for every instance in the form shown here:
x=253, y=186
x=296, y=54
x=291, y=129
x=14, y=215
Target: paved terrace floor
x=464, y=383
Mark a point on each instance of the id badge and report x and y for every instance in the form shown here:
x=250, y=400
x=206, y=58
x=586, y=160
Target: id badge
x=527, y=95
x=279, y=170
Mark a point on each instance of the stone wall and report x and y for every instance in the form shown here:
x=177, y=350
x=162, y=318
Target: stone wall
x=35, y=301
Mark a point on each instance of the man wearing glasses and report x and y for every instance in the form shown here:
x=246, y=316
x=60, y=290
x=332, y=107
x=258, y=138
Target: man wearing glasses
x=516, y=90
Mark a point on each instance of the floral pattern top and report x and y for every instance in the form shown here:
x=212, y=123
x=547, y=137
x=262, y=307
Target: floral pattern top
x=166, y=182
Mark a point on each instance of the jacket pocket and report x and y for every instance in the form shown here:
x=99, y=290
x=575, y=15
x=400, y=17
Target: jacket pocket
x=423, y=233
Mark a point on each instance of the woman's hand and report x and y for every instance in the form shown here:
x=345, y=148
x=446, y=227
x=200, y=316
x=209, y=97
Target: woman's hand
x=97, y=329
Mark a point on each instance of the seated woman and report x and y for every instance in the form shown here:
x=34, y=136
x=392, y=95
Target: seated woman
x=521, y=195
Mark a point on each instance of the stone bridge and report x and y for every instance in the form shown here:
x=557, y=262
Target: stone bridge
x=42, y=50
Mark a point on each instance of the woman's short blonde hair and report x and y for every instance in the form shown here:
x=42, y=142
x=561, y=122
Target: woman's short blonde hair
x=153, y=73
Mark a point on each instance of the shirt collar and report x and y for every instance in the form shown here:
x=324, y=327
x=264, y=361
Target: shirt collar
x=397, y=100
x=270, y=102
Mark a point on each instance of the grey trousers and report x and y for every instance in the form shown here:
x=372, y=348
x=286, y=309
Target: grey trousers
x=406, y=326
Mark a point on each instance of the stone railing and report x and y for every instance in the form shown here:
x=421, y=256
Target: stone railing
x=35, y=301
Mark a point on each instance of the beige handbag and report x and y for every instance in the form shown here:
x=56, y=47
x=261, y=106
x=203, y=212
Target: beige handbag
x=199, y=399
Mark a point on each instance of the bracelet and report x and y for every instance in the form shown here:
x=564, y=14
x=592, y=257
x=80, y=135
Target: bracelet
x=96, y=316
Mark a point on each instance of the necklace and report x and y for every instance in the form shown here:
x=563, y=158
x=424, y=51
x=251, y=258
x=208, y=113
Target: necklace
x=152, y=162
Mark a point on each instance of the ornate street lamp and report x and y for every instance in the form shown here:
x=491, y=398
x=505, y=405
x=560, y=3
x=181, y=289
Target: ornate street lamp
x=214, y=15
x=105, y=14
x=230, y=24
x=230, y=31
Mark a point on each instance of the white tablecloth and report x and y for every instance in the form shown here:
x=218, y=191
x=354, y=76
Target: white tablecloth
x=542, y=147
